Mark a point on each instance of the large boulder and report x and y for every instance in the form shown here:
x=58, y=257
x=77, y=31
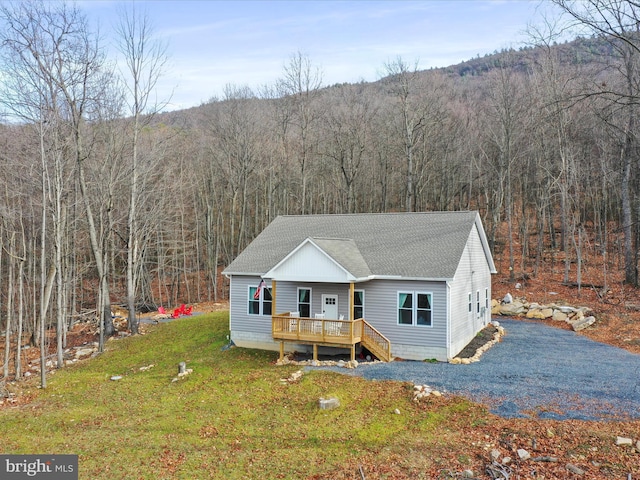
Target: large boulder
x=512, y=309
x=584, y=323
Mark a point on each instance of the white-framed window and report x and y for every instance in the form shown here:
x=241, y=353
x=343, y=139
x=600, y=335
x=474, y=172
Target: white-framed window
x=260, y=301
x=304, y=302
x=358, y=304
x=470, y=308
x=415, y=308
x=486, y=298
x=478, y=302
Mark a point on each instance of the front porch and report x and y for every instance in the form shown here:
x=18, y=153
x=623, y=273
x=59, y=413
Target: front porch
x=288, y=327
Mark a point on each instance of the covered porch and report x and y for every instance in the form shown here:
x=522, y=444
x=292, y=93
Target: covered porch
x=289, y=327
x=333, y=264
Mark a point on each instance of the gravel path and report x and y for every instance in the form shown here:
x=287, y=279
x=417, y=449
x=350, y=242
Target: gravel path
x=536, y=371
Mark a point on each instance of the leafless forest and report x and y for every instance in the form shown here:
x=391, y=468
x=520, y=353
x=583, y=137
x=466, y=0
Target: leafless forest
x=109, y=200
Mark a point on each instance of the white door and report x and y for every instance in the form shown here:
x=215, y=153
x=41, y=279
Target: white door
x=330, y=306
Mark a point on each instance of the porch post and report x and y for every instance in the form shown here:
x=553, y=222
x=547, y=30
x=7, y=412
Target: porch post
x=352, y=293
x=281, y=350
x=273, y=298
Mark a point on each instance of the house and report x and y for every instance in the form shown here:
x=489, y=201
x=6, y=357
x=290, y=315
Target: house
x=410, y=285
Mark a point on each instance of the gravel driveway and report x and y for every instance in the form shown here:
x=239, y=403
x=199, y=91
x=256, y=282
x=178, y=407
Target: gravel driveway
x=536, y=370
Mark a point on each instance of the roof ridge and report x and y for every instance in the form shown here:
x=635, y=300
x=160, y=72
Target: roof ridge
x=362, y=214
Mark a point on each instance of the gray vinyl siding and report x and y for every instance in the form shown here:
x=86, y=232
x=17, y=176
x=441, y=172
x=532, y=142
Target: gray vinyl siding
x=472, y=275
x=287, y=296
x=381, y=311
x=381, y=307
x=239, y=318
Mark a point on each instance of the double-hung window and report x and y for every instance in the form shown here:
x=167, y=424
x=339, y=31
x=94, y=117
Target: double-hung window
x=304, y=302
x=415, y=308
x=260, y=302
x=358, y=304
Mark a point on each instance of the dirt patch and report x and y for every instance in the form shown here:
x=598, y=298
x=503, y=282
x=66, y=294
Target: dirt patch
x=483, y=337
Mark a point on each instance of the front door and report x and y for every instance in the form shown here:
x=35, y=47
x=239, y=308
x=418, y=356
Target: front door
x=330, y=306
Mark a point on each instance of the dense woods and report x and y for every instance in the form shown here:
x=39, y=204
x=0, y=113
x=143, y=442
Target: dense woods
x=107, y=200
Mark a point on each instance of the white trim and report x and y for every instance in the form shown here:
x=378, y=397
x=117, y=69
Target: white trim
x=414, y=308
x=310, y=299
x=364, y=301
x=448, y=321
x=260, y=301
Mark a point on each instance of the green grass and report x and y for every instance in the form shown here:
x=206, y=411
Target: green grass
x=231, y=418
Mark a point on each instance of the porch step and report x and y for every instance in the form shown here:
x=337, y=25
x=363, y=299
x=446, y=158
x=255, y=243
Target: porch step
x=375, y=342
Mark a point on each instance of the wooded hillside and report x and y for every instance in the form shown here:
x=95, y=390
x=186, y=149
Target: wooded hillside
x=108, y=200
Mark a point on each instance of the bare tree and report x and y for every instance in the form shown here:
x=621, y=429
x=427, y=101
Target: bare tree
x=618, y=23
x=145, y=60
x=300, y=87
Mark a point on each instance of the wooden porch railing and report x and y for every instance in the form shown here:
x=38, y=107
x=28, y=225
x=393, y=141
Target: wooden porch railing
x=376, y=343
x=330, y=332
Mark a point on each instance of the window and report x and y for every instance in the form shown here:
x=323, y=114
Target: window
x=414, y=308
x=470, y=303
x=358, y=304
x=262, y=304
x=486, y=298
x=478, y=302
x=304, y=302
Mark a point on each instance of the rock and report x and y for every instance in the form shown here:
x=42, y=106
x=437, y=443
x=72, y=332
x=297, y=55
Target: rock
x=182, y=367
x=328, y=403
x=547, y=312
x=467, y=474
x=638, y=446
x=582, y=324
x=523, y=454
x=495, y=455
x=506, y=460
x=116, y=378
x=84, y=352
x=535, y=313
x=436, y=393
x=507, y=298
x=396, y=411
x=455, y=361
x=575, y=317
x=575, y=470
x=559, y=316
x=495, y=323
x=623, y=441
x=513, y=308
x=567, y=309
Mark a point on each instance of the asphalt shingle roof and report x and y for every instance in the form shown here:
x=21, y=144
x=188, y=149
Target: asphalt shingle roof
x=413, y=245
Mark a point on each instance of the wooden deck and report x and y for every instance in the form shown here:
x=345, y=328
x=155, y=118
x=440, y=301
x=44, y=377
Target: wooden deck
x=329, y=333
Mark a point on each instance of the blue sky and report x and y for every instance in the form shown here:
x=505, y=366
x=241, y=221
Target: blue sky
x=247, y=43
